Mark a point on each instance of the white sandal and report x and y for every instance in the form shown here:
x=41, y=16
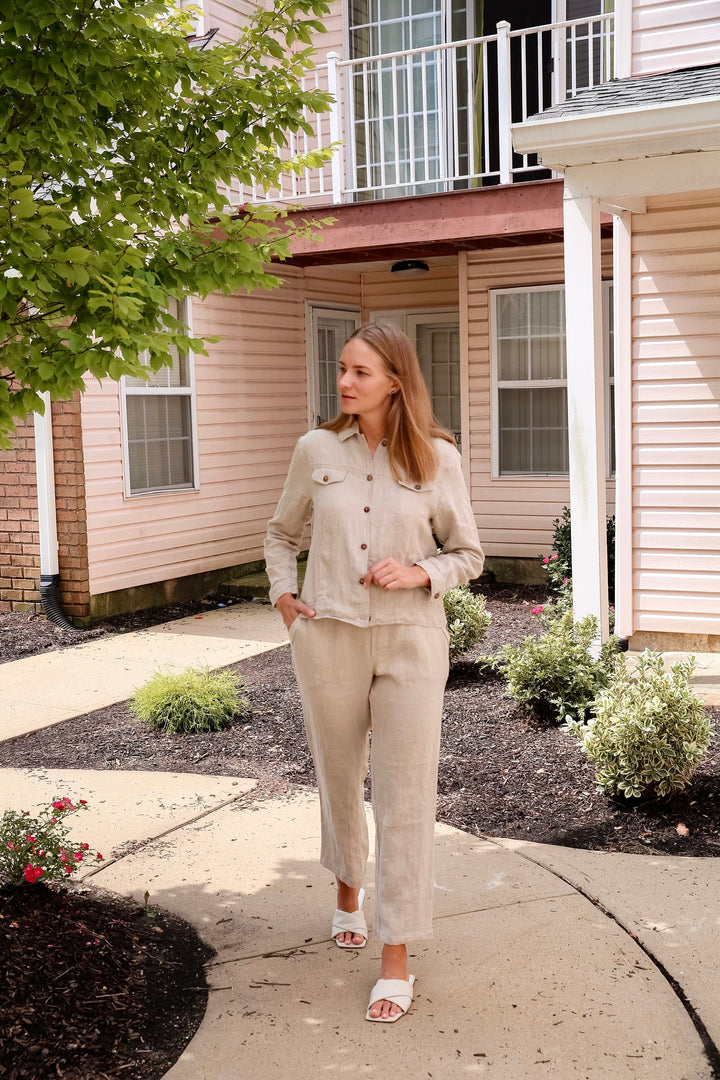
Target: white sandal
x=397, y=991
x=350, y=922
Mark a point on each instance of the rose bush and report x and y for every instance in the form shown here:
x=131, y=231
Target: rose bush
x=35, y=848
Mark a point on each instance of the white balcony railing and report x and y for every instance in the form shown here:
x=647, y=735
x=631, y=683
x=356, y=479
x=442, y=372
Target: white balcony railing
x=439, y=118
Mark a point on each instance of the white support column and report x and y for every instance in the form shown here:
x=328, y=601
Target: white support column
x=623, y=39
x=622, y=280
x=586, y=420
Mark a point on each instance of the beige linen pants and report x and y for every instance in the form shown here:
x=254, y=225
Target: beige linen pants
x=388, y=679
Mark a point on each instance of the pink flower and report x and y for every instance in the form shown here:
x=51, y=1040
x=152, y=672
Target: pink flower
x=30, y=839
x=64, y=858
x=565, y=580
x=32, y=873
x=79, y=856
x=555, y=555
x=99, y=855
x=537, y=610
x=11, y=845
x=83, y=802
x=68, y=869
x=546, y=560
x=63, y=804
x=85, y=847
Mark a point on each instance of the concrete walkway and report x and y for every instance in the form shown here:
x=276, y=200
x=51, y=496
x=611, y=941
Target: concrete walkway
x=546, y=962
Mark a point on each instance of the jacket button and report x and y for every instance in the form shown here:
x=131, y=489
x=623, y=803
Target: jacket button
x=361, y=580
x=437, y=594
x=369, y=477
x=384, y=442
x=325, y=479
x=366, y=509
x=418, y=486
x=363, y=547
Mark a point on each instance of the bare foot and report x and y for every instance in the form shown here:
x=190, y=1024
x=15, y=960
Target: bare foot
x=348, y=900
x=393, y=966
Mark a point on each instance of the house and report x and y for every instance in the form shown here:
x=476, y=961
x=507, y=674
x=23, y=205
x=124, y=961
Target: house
x=463, y=236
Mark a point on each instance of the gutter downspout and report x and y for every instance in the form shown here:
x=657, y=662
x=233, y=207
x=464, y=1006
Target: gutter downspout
x=47, y=518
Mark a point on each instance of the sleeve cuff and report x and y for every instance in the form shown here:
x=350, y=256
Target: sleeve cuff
x=279, y=588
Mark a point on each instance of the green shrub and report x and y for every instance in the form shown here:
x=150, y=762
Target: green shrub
x=467, y=620
x=553, y=675
x=649, y=731
x=559, y=563
x=191, y=702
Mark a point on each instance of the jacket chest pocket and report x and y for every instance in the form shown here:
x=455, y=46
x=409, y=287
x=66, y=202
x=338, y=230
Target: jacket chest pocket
x=330, y=490
x=412, y=512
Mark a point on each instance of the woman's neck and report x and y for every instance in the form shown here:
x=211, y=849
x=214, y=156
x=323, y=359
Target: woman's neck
x=374, y=433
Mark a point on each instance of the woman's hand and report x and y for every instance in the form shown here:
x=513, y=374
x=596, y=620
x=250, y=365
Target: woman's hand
x=290, y=607
x=390, y=574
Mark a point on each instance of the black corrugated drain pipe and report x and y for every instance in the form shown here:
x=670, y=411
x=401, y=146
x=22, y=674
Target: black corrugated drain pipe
x=49, y=595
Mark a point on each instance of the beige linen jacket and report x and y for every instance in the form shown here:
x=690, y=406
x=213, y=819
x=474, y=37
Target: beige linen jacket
x=360, y=514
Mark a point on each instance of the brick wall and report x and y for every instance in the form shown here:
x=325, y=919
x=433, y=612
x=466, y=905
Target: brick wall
x=19, y=542
x=19, y=539
x=70, y=502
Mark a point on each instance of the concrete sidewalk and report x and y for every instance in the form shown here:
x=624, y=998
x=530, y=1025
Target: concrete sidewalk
x=54, y=686
x=546, y=962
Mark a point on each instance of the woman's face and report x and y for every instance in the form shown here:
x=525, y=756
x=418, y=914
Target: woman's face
x=365, y=387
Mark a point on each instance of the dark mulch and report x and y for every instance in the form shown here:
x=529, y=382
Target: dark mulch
x=501, y=774
x=93, y=987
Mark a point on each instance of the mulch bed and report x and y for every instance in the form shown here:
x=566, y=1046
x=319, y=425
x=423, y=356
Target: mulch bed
x=93, y=987
x=501, y=774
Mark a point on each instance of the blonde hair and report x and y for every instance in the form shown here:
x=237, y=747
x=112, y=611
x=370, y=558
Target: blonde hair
x=411, y=426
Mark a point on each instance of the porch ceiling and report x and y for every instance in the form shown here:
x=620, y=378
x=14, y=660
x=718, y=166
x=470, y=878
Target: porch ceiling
x=443, y=224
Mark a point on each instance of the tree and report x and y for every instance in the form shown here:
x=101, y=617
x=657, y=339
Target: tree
x=114, y=134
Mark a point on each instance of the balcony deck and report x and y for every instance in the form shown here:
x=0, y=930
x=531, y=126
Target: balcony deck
x=437, y=120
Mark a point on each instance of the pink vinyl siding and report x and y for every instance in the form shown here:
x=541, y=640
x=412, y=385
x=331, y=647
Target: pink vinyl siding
x=676, y=415
x=514, y=514
x=251, y=408
x=385, y=291
x=672, y=34
x=228, y=15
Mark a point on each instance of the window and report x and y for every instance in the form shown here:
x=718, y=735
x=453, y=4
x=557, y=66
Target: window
x=530, y=379
x=159, y=425
x=403, y=142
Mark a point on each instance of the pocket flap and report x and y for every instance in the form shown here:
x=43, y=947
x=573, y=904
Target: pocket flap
x=328, y=475
x=415, y=485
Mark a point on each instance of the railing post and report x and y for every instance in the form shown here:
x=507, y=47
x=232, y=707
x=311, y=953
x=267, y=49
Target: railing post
x=336, y=162
x=504, y=102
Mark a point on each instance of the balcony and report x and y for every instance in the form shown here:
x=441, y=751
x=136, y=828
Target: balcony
x=439, y=119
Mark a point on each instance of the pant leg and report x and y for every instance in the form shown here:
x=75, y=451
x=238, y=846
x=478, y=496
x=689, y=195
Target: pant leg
x=406, y=700
x=332, y=662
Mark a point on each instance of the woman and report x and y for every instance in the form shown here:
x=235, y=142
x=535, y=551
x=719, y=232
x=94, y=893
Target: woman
x=383, y=485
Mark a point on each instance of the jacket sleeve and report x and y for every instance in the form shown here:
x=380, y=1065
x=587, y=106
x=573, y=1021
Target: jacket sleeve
x=461, y=558
x=287, y=526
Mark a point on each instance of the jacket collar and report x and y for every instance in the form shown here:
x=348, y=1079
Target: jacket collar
x=348, y=431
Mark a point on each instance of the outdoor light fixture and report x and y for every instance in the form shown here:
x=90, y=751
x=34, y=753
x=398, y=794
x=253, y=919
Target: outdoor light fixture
x=201, y=41
x=410, y=268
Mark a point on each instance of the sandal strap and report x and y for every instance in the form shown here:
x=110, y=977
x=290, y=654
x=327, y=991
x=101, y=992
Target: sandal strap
x=351, y=922
x=398, y=991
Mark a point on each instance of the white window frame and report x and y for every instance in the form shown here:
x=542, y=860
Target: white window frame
x=497, y=384
x=189, y=391
x=314, y=310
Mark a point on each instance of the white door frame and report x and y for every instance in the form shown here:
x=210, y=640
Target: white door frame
x=314, y=310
